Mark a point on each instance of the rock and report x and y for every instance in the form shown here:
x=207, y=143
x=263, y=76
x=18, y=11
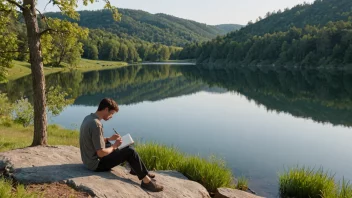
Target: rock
x=63, y=164
x=233, y=193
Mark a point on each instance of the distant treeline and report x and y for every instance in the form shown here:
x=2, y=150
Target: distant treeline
x=308, y=35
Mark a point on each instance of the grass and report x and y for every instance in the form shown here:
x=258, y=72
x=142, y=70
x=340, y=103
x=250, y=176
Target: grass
x=212, y=173
x=21, y=69
x=7, y=190
x=242, y=183
x=306, y=182
x=90, y=65
x=14, y=136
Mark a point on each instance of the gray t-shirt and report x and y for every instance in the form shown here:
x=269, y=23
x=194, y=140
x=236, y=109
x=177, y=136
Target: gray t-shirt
x=91, y=139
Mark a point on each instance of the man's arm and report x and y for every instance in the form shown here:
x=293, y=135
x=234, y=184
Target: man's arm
x=106, y=151
x=112, y=138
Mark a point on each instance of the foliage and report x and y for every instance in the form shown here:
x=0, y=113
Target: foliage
x=63, y=45
x=23, y=112
x=211, y=173
x=307, y=182
x=153, y=28
x=8, y=41
x=57, y=100
x=308, y=35
x=107, y=46
x=5, y=105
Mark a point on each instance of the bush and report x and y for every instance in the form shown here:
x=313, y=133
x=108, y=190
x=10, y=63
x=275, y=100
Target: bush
x=23, y=112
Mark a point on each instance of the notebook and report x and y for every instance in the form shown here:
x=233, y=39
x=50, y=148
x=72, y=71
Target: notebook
x=126, y=141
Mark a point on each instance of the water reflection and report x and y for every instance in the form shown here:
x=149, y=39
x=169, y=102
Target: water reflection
x=321, y=95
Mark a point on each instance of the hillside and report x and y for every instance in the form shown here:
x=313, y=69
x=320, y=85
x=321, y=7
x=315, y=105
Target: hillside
x=226, y=28
x=309, y=35
x=318, y=13
x=160, y=28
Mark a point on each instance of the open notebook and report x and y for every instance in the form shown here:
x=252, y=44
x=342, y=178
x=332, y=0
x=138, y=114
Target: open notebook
x=126, y=141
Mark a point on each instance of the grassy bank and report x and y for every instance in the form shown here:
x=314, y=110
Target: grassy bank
x=21, y=69
x=211, y=173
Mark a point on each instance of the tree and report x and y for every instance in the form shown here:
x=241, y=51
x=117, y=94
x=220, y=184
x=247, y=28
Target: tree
x=164, y=53
x=27, y=8
x=90, y=51
x=64, y=45
x=8, y=44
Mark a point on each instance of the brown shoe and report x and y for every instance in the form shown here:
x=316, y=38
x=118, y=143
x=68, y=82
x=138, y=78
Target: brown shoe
x=152, y=186
x=151, y=175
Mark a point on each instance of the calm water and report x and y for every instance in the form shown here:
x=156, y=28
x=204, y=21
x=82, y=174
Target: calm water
x=260, y=121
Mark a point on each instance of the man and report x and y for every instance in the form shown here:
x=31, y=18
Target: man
x=97, y=157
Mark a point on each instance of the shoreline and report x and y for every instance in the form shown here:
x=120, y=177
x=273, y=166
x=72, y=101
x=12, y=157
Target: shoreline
x=21, y=69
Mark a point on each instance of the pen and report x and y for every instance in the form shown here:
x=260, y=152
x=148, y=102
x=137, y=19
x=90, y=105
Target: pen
x=115, y=131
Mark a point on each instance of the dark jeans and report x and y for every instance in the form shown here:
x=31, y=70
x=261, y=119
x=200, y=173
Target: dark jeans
x=119, y=156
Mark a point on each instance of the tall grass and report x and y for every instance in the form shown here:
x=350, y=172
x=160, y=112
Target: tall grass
x=212, y=173
x=307, y=182
x=160, y=157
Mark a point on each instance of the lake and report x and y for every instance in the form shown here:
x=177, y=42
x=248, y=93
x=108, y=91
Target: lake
x=261, y=121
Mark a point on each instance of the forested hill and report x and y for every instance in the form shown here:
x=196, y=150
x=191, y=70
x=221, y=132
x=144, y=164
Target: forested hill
x=318, y=13
x=160, y=28
x=226, y=28
x=308, y=35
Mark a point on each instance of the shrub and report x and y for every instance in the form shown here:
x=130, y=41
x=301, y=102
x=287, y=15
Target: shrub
x=23, y=112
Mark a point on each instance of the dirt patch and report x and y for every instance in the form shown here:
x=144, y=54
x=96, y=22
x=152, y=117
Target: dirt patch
x=56, y=190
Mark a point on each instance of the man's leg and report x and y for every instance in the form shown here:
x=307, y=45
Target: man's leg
x=119, y=156
x=131, y=156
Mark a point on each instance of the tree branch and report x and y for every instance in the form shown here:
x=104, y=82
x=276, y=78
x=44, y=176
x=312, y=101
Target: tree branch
x=47, y=4
x=16, y=4
x=43, y=17
x=46, y=22
x=46, y=31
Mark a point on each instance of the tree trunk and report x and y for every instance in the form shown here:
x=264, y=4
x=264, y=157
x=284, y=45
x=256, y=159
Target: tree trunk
x=38, y=78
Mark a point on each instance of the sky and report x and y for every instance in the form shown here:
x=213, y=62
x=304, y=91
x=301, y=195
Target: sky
x=211, y=12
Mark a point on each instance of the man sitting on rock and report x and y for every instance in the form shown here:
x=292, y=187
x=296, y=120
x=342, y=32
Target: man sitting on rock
x=97, y=157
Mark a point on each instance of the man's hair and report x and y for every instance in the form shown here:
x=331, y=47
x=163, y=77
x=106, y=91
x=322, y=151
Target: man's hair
x=108, y=103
